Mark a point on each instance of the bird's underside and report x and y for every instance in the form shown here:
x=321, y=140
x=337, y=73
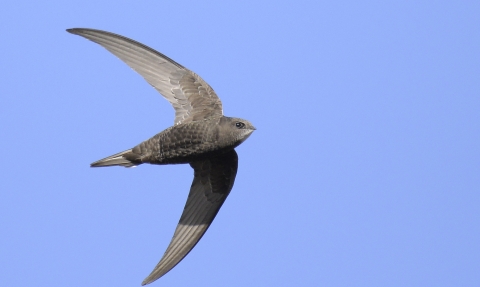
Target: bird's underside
x=181, y=143
x=192, y=140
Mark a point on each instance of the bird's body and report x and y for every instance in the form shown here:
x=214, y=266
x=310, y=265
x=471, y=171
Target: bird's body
x=201, y=136
x=183, y=143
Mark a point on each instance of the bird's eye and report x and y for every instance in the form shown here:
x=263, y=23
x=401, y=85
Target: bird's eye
x=239, y=125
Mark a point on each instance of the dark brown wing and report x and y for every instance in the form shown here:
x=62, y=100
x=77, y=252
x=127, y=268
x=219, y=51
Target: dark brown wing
x=211, y=185
x=191, y=97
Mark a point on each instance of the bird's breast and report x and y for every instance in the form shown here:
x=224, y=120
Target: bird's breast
x=189, y=142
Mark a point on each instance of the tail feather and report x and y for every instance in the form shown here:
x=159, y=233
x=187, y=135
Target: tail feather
x=124, y=158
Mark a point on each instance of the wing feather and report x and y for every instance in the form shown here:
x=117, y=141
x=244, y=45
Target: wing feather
x=191, y=97
x=213, y=180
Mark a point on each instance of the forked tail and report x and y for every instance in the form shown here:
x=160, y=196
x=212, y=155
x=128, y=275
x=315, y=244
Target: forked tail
x=125, y=158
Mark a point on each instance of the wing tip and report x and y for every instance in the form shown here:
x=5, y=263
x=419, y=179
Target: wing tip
x=80, y=31
x=151, y=278
x=157, y=273
x=73, y=30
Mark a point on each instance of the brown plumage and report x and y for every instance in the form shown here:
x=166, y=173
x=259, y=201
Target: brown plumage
x=201, y=136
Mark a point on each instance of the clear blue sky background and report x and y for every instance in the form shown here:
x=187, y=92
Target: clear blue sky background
x=364, y=169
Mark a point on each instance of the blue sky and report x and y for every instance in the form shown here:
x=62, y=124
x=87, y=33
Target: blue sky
x=363, y=171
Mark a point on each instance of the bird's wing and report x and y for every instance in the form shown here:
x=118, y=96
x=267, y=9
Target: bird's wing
x=191, y=97
x=211, y=185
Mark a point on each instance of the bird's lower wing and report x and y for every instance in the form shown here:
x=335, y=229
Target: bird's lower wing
x=211, y=185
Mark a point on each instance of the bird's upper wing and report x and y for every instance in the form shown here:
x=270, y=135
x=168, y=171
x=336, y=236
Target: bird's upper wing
x=211, y=185
x=191, y=97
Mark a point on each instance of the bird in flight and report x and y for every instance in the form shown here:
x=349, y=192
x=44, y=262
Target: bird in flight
x=200, y=136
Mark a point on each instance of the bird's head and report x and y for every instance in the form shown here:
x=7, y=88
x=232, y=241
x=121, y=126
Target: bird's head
x=237, y=130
